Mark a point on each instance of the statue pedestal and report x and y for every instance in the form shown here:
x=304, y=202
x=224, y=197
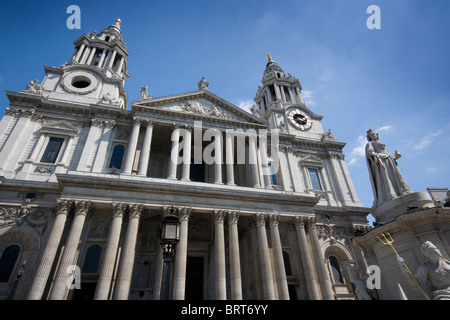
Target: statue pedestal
x=395, y=207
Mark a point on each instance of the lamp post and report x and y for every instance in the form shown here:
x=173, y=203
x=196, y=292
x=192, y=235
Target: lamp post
x=170, y=235
x=19, y=274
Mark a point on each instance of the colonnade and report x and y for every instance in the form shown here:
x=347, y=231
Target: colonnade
x=273, y=275
x=255, y=156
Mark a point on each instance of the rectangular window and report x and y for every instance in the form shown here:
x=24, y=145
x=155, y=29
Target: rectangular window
x=51, y=152
x=314, y=177
x=273, y=175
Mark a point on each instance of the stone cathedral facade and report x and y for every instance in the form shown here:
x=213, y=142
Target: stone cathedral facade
x=85, y=183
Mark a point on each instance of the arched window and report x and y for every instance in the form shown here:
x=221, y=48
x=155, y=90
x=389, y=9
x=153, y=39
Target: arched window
x=92, y=259
x=287, y=263
x=8, y=261
x=336, y=270
x=117, y=156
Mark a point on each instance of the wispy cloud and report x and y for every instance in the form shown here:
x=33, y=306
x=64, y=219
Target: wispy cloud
x=385, y=128
x=431, y=169
x=427, y=140
x=308, y=98
x=245, y=104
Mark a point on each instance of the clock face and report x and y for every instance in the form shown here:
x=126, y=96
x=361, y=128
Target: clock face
x=300, y=119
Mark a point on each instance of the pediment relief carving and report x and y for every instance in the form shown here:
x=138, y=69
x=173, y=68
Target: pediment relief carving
x=201, y=107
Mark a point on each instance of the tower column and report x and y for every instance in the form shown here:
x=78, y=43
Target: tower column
x=253, y=161
x=80, y=51
x=266, y=266
x=174, y=153
x=264, y=161
x=280, y=270
x=324, y=278
x=187, y=140
x=128, y=253
x=218, y=157
x=107, y=266
x=111, y=59
x=60, y=286
x=102, y=58
x=179, y=285
x=145, y=154
x=235, y=263
x=131, y=150
x=48, y=256
x=229, y=157
x=307, y=262
x=91, y=56
x=219, y=256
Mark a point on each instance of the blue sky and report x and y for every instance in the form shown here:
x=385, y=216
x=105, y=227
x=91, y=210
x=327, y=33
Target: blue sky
x=395, y=80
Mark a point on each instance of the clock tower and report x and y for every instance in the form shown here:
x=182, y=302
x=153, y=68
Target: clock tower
x=279, y=101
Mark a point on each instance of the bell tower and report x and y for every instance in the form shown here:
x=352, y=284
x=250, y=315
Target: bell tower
x=279, y=101
x=96, y=72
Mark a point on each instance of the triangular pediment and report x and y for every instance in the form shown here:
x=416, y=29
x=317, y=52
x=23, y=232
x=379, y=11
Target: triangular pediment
x=60, y=127
x=197, y=105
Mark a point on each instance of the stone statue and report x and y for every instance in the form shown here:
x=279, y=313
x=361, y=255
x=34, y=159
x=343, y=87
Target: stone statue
x=435, y=273
x=203, y=84
x=144, y=92
x=387, y=181
x=361, y=290
x=34, y=87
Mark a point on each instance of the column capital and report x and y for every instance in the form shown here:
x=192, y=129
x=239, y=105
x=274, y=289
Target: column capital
x=184, y=213
x=137, y=121
x=119, y=209
x=64, y=206
x=260, y=219
x=219, y=215
x=82, y=207
x=135, y=209
x=148, y=122
x=233, y=216
x=274, y=219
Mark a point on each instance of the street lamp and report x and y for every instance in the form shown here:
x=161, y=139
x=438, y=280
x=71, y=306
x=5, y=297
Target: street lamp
x=19, y=274
x=170, y=235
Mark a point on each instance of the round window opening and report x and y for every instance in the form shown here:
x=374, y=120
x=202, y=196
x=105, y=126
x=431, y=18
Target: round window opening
x=81, y=82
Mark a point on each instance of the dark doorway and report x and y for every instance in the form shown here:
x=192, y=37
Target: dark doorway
x=86, y=291
x=194, y=278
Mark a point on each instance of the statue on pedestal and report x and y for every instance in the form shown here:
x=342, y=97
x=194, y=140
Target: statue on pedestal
x=387, y=181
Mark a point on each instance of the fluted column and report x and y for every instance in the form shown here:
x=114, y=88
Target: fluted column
x=253, y=162
x=235, y=262
x=264, y=160
x=132, y=144
x=128, y=253
x=60, y=287
x=218, y=157
x=229, y=157
x=280, y=271
x=179, y=285
x=307, y=259
x=48, y=256
x=324, y=278
x=266, y=266
x=219, y=256
x=145, y=154
x=174, y=153
x=107, y=267
x=187, y=141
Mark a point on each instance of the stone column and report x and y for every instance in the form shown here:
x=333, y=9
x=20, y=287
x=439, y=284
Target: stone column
x=264, y=162
x=100, y=157
x=324, y=277
x=307, y=259
x=187, y=141
x=91, y=56
x=109, y=258
x=266, y=266
x=102, y=58
x=253, y=162
x=280, y=270
x=145, y=154
x=80, y=51
x=49, y=253
x=111, y=59
x=229, y=157
x=128, y=253
x=218, y=157
x=89, y=144
x=179, y=285
x=219, y=256
x=60, y=286
x=235, y=262
x=174, y=153
x=131, y=150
